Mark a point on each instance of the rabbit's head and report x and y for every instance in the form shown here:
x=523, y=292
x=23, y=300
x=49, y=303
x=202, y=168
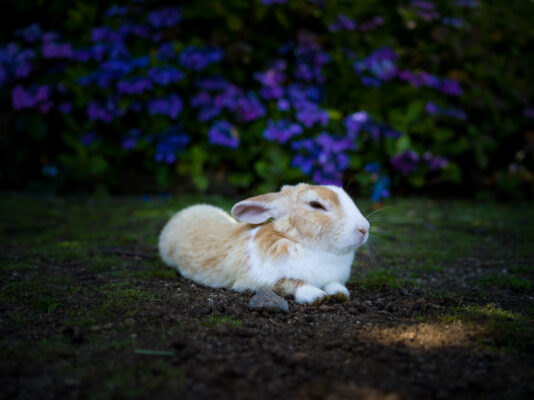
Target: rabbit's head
x=322, y=217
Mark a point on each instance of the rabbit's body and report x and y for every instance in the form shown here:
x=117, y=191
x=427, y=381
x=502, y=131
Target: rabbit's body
x=306, y=251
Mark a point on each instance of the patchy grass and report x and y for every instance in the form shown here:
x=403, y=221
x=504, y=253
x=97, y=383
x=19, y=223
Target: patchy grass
x=493, y=326
x=382, y=278
x=505, y=281
x=213, y=320
x=82, y=287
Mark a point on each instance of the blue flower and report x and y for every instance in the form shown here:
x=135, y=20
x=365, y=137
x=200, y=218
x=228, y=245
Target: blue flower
x=170, y=106
x=165, y=17
x=165, y=75
x=405, y=162
x=249, y=108
x=223, y=133
x=281, y=131
x=342, y=23
x=134, y=85
x=197, y=59
x=381, y=189
x=170, y=144
x=89, y=138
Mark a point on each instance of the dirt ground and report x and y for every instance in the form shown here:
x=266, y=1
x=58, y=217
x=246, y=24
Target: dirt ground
x=87, y=310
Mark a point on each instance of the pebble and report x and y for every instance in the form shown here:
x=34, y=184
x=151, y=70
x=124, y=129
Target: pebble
x=267, y=300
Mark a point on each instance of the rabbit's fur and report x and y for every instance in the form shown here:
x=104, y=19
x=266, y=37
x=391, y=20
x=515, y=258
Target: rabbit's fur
x=299, y=241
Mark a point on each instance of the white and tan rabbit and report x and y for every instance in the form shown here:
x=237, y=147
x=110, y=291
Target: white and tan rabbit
x=299, y=241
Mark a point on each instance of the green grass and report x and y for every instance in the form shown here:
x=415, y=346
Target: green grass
x=506, y=281
x=213, y=320
x=494, y=327
x=382, y=278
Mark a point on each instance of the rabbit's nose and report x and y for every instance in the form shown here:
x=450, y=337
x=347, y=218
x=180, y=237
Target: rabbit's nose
x=363, y=231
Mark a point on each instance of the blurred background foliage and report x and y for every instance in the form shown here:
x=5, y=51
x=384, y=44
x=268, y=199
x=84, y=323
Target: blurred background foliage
x=236, y=96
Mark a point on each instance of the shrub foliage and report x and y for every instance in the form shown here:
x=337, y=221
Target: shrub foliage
x=252, y=94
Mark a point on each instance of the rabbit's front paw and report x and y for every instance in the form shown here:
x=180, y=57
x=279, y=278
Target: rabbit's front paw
x=337, y=291
x=308, y=294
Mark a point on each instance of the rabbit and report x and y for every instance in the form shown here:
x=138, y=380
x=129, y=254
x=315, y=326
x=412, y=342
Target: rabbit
x=300, y=241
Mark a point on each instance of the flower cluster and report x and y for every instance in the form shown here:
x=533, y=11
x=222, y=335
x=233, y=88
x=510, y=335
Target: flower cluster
x=425, y=9
x=447, y=86
x=342, y=23
x=197, y=59
x=379, y=67
x=223, y=133
x=361, y=121
x=137, y=72
x=408, y=161
x=169, y=144
x=281, y=131
x=434, y=109
x=324, y=157
x=371, y=24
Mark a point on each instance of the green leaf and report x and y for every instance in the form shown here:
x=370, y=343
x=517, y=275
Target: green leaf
x=415, y=108
x=403, y=144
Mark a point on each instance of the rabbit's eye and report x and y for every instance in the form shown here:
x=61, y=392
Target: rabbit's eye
x=316, y=205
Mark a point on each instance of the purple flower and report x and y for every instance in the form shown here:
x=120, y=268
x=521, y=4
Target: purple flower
x=466, y=3
x=283, y=105
x=281, y=131
x=65, y=107
x=170, y=106
x=325, y=156
x=435, y=162
x=380, y=63
x=117, y=11
x=405, y=162
x=165, y=75
x=89, y=138
x=197, y=59
x=31, y=33
x=249, y=108
x=355, y=122
x=224, y=134
x=373, y=168
x=134, y=85
x=422, y=78
x=309, y=114
x=342, y=23
x=170, y=143
x=165, y=17
x=371, y=24
x=56, y=50
x=213, y=83
x=22, y=98
x=130, y=139
x=528, y=113
x=271, y=2
x=425, y=9
x=457, y=22
x=434, y=109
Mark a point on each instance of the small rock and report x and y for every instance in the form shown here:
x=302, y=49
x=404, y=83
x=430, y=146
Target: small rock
x=362, y=308
x=267, y=300
x=390, y=307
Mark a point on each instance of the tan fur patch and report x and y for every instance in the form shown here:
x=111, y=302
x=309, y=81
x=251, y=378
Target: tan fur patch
x=271, y=242
x=328, y=195
x=287, y=286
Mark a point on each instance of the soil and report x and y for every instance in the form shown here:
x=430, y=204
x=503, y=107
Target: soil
x=172, y=338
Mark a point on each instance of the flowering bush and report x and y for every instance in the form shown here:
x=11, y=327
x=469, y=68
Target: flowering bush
x=264, y=92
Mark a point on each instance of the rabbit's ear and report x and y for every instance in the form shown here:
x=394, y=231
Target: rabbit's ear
x=258, y=209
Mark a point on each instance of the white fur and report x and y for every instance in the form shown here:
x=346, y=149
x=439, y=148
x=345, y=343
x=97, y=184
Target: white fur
x=312, y=266
x=308, y=294
x=334, y=287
